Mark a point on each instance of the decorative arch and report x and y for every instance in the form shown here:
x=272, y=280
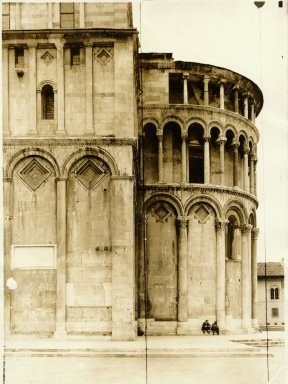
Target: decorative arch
x=29, y=152
x=236, y=206
x=171, y=119
x=204, y=199
x=243, y=133
x=150, y=120
x=197, y=120
x=46, y=82
x=230, y=127
x=88, y=151
x=253, y=218
x=162, y=196
x=215, y=124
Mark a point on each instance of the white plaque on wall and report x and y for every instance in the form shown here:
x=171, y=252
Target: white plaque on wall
x=33, y=256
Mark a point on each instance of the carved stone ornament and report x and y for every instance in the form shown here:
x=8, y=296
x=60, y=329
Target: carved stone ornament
x=161, y=213
x=220, y=224
x=182, y=222
x=246, y=229
x=103, y=55
x=90, y=174
x=34, y=174
x=47, y=57
x=202, y=214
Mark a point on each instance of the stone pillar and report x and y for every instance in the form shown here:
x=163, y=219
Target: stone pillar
x=246, y=276
x=61, y=259
x=7, y=191
x=50, y=15
x=246, y=170
x=61, y=89
x=252, y=172
x=221, y=142
x=220, y=272
x=18, y=16
x=252, y=112
x=141, y=155
x=235, y=164
x=236, y=99
x=206, y=90
x=160, y=158
x=254, y=237
x=81, y=15
x=255, y=177
x=206, y=160
x=246, y=106
x=32, y=89
x=5, y=90
x=182, y=224
x=184, y=158
x=142, y=271
x=123, y=258
x=222, y=101
x=185, y=87
x=89, y=88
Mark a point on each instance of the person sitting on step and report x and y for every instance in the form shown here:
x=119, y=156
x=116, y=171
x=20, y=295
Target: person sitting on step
x=215, y=328
x=206, y=327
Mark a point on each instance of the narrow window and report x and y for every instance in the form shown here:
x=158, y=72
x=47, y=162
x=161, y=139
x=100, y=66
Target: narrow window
x=19, y=57
x=196, y=165
x=276, y=293
x=176, y=93
x=67, y=15
x=275, y=312
x=47, y=95
x=5, y=15
x=272, y=296
x=75, y=56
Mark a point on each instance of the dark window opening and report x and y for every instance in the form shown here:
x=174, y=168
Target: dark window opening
x=275, y=312
x=19, y=56
x=176, y=95
x=196, y=165
x=75, y=56
x=47, y=94
x=67, y=15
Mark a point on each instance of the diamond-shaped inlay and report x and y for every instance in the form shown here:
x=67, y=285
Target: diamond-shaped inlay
x=161, y=213
x=90, y=174
x=103, y=56
x=34, y=174
x=202, y=214
x=47, y=57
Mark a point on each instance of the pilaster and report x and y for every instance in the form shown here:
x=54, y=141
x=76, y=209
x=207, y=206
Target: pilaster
x=61, y=90
x=160, y=158
x=207, y=160
x=246, y=276
x=32, y=89
x=5, y=90
x=183, y=159
x=246, y=171
x=254, y=237
x=89, y=88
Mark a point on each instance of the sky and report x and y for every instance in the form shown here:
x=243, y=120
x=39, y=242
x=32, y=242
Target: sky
x=252, y=41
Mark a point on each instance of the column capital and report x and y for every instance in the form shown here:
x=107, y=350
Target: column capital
x=159, y=137
x=235, y=145
x=57, y=179
x=221, y=140
x=88, y=44
x=220, y=224
x=246, y=150
x=206, y=79
x=32, y=44
x=236, y=87
x=255, y=233
x=246, y=229
x=7, y=180
x=185, y=75
x=221, y=81
x=206, y=138
x=184, y=136
x=182, y=222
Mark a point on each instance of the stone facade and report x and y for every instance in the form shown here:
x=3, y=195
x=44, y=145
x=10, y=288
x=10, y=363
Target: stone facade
x=126, y=205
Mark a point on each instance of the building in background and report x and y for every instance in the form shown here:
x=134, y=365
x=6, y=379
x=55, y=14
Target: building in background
x=129, y=180
x=271, y=295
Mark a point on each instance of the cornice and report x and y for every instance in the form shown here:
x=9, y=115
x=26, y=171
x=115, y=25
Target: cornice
x=203, y=189
x=65, y=142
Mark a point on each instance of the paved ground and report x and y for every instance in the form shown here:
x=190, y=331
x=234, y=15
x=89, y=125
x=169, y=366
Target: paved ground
x=129, y=370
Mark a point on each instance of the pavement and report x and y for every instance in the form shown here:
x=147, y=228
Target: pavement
x=252, y=345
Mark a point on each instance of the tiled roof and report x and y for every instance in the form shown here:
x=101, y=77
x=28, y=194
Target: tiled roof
x=272, y=269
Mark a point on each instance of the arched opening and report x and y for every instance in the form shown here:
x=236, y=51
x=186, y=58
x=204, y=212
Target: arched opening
x=47, y=96
x=196, y=153
x=231, y=238
x=241, y=151
x=215, y=156
x=150, y=154
x=229, y=158
x=172, y=152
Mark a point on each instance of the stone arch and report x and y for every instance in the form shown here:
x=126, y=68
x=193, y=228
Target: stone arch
x=215, y=124
x=253, y=218
x=150, y=120
x=244, y=134
x=46, y=82
x=169, y=119
x=238, y=207
x=162, y=196
x=230, y=127
x=197, y=120
x=88, y=151
x=30, y=152
x=204, y=199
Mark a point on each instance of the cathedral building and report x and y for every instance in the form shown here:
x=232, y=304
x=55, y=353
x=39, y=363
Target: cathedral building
x=129, y=181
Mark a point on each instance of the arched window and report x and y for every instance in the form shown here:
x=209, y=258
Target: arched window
x=274, y=293
x=47, y=95
x=231, y=238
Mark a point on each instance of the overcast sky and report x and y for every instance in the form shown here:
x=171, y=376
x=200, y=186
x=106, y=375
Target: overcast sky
x=237, y=35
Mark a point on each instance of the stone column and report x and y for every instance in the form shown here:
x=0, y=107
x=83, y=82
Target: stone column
x=252, y=171
x=182, y=224
x=5, y=90
x=222, y=101
x=246, y=109
x=89, y=88
x=235, y=164
x=18, y=16
x=252, y=112
x=61, y=259
x=142, y=271
x=236, y=99
x=206, y=90
x=141, y=156
x=61, y=89
x=32, y=89
x=206, y=160
x=123, y=258
x=255, y=177
x=81, y=15
x=185, y=87
x=246, y=276
x=254, y=237
x=7, y=196
x=246, y=170
x=184, y=158
x=221, y=142
x=160, y=158
x=220, y=272
x=50, y=15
